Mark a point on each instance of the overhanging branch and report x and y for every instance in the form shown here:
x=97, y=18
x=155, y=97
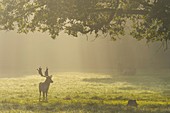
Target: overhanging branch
x=121, y=11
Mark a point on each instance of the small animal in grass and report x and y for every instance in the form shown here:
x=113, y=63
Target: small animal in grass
x=44, y=86
x=132, y=103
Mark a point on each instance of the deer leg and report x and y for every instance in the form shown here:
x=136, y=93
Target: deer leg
x=40, y=96
x=46, y=96
x=43, y=96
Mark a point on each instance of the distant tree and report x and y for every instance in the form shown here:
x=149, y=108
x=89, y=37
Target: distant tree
x=147, y=19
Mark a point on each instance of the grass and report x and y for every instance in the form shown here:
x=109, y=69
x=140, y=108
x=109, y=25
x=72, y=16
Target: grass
x=87, y=93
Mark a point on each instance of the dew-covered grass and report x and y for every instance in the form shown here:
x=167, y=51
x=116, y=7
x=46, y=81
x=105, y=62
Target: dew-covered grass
x=74, y=92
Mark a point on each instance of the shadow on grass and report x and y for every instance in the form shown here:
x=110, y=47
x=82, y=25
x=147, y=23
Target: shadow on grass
x=100, y=80
x=148, y=80
x=81, y=108
x=126, y=80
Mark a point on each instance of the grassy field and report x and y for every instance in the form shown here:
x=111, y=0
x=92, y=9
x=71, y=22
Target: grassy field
x=87, y=93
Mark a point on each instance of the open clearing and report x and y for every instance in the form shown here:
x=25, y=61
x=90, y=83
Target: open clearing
x=74, y=92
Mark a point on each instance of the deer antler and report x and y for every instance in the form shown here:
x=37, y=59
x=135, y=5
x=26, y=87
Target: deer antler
x=46, y=72
x=40, y=72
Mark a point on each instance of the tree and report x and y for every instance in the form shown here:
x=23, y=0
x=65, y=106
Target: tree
x=147, y=19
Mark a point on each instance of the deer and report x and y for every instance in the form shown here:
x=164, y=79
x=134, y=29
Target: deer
x=44, y=86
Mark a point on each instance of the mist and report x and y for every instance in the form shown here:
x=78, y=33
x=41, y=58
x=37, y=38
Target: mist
x=22, y=54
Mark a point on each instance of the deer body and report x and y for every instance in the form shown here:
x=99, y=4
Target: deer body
x=44, y=86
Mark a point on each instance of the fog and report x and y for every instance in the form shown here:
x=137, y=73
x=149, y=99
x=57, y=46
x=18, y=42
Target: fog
x=22, y=54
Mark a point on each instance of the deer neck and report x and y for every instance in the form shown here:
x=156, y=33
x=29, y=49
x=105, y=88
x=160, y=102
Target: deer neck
x=46, y=82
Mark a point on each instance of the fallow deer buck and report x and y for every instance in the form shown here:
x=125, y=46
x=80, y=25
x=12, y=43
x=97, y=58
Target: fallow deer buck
x=44, y=86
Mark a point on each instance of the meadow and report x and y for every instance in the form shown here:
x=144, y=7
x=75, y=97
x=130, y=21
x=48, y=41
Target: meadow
x=74, y=92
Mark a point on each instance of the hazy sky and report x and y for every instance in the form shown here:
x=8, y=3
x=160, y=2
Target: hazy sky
x=23, y=54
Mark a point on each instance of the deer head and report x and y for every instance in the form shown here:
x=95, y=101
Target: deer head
x=48, y=78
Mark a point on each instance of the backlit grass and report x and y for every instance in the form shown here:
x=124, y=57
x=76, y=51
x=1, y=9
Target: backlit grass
x=87, y=93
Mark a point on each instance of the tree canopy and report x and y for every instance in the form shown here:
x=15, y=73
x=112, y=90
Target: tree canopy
x=145, y=19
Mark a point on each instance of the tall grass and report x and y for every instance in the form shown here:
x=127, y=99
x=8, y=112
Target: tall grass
x=87, y=93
